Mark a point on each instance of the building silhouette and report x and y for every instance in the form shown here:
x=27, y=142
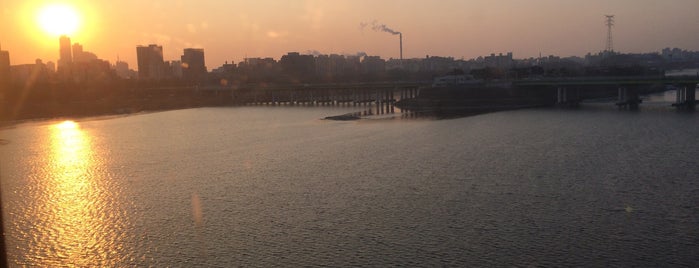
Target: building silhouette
x=150, y=62
x=79, y=55
x=77, y=51
x=175, y=69
x=297, y=67
x=193, y=64
x=4, y=70
x=254, y=70
x=122, y=70
x=373, y=65
x=28, y=75
x=499, y=61
x=51, y=67
x=65, y=60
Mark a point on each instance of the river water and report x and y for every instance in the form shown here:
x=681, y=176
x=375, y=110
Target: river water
x=277, y=186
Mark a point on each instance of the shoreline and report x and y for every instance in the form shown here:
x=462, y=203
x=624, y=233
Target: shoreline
x=39, y=110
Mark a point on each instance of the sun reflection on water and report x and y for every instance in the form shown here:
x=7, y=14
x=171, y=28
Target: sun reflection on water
x=74, y=225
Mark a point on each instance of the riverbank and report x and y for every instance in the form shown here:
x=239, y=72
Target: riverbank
x=47, y=109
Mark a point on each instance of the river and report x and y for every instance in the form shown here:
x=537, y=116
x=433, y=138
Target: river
x=278, y=186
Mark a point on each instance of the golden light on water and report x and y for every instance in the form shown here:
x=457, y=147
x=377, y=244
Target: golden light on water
x=77, y=229
x=58, y=19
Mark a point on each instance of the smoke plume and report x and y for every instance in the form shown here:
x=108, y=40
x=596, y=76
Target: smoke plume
x=376, y=26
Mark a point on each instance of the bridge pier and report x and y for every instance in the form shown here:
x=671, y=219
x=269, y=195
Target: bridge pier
x=387, y=102
x=392, y=100
x=628, y=98
x=568, y=97
x=378, y=102
x=686, y=97
x=382, y=95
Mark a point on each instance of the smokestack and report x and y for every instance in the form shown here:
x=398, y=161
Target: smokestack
x=401, y=46
x=376, y=26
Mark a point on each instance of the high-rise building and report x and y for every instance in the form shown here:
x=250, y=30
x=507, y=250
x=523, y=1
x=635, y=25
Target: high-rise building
x=150, y=62
x=51, y=67
x=77, y=50
x=82, y=56
x=66, y=57
x=298, y=67
x=4, y=69
x=122, y=69
x=175, y=68
x=193, y=65
x=373, y=65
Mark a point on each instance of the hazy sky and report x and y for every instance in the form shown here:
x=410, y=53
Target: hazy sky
x=230, y=30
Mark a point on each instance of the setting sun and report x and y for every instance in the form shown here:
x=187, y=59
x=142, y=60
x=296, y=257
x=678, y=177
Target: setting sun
x=59, y=19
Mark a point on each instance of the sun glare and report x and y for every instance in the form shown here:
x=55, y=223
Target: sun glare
x=59, y=19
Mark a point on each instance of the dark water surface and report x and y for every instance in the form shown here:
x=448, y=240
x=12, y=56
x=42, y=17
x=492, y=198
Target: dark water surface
x=276, y=186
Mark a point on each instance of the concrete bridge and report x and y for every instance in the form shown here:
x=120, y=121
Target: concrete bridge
x=570, y=91
x=381, y=96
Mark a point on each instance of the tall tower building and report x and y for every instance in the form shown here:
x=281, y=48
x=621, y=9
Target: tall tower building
x=193, y=65
x=77, y=52
x=4, y=69
x=150, y=62
x=66, y=56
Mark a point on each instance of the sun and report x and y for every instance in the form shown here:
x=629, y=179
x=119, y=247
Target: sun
x=58, y=19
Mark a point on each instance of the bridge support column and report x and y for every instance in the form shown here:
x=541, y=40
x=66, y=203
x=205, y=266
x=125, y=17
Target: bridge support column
x=567, y=96
x=386, y=101
x=686, y=97
x=354, y=98
x=628, y=98
x=561, y=95
x=382, y=100
x=393, y=100
x=378, y=102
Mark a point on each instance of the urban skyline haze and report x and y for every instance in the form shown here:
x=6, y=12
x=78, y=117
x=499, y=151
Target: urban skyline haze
x=233, y=30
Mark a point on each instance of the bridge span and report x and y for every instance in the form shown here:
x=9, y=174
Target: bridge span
x=381, y=96
x=570, y=91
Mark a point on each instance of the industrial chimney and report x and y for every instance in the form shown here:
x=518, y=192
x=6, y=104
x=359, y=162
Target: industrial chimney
x=401, y=46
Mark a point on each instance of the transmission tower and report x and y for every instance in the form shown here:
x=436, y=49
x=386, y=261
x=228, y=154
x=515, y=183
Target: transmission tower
x=609, y=23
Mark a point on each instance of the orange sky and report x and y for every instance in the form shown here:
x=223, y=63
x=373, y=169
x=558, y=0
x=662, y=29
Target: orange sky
x=228, y=30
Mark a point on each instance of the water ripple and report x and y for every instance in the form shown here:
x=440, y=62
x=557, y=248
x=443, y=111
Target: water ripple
x=279, y=188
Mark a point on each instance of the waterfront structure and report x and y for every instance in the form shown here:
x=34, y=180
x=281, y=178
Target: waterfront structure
x=150, y=62
x=193, y=64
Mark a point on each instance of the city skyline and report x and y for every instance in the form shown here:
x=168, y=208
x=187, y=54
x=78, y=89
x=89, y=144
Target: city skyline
x=232, y=31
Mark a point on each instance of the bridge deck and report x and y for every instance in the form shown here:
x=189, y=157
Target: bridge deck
x=609, y=81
